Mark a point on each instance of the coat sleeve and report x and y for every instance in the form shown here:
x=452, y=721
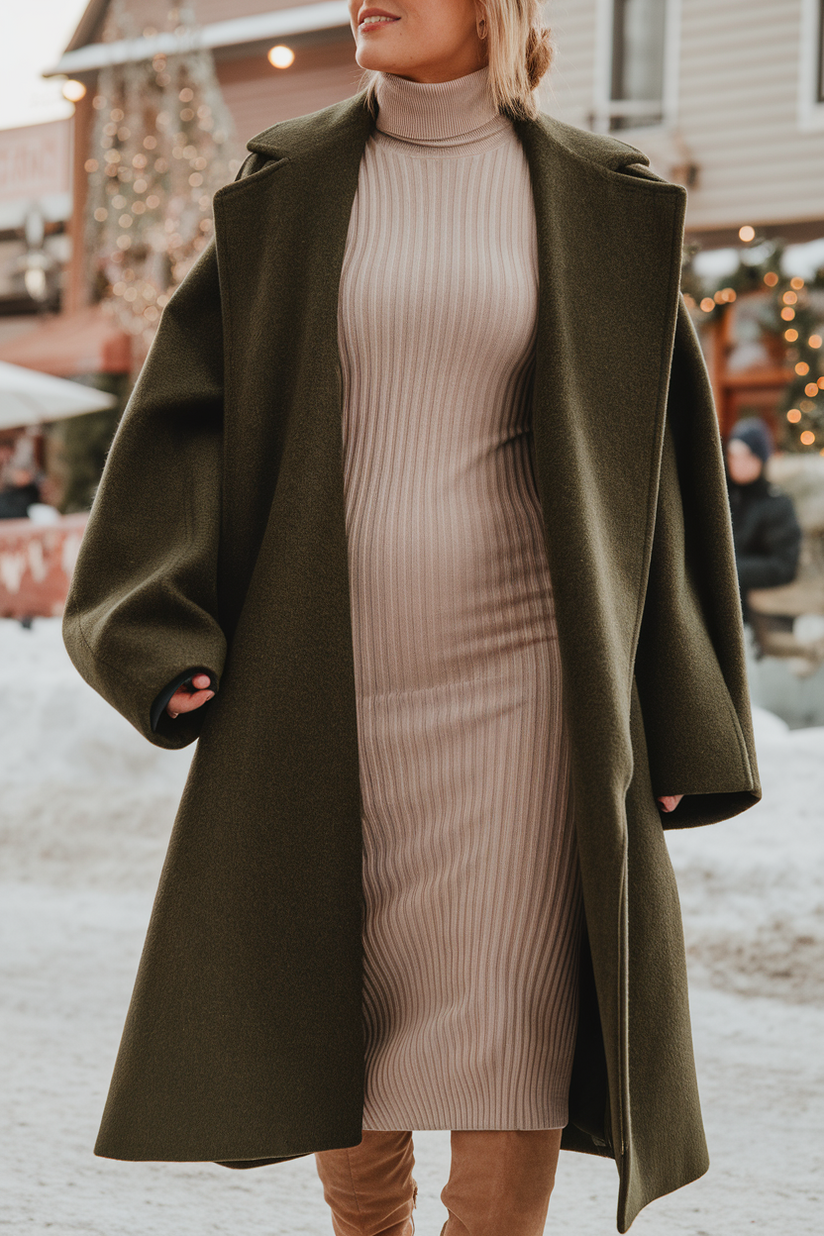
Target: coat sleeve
x=690, y=668
x=142, y=607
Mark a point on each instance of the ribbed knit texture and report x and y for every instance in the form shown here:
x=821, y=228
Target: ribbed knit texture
x=472, y=903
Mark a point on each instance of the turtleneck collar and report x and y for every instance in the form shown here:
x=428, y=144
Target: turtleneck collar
x=440, y=113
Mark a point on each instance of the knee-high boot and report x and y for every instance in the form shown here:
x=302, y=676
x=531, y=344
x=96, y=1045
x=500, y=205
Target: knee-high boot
x=500, y=1183
x=369, y=1188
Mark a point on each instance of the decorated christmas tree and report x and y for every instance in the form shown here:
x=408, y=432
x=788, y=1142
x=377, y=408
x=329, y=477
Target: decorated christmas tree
x=163, y=142
x=793, y=317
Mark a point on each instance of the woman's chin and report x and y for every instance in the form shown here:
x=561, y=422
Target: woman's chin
x=371, y=58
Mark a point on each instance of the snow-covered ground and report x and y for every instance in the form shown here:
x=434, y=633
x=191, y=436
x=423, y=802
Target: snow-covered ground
x=85, y=810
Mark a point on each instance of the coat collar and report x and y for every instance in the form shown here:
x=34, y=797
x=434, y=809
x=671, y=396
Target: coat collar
x=347, y=124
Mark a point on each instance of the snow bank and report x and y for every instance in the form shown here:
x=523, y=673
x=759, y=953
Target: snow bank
x=85, y=799
x=751, y=888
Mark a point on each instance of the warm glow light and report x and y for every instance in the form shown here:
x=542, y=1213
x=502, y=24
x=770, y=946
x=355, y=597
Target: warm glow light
x=746, y=233
x=771, y=278
x=793, y=416
x=821, y=384
x=802, y=369
x=815, y=341
x=708, y=304
x=791, y=335
x=811, y=390
x=808, y=437
x=281, y=57
x=36, y=283
x=788, y=314
x=797, y=283
x=73, y=91
x=789, y=298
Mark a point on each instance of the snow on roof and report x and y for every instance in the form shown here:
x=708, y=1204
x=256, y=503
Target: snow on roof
x=304, y=19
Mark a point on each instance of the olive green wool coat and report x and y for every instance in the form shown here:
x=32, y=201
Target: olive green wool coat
x=218, y=541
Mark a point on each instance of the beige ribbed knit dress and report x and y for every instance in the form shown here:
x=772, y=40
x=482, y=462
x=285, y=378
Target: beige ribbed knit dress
x=472, y=901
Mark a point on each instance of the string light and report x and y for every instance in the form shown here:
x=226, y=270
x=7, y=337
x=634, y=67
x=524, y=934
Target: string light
x=798, y=331
x=160, y=151
x=74, y=91
x=281, y=57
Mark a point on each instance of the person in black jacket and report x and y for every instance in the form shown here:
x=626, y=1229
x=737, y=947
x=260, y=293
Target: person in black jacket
x=766, y=532
x=21, y=493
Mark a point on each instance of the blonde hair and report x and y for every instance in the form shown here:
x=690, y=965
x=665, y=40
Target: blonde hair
x=520, y=52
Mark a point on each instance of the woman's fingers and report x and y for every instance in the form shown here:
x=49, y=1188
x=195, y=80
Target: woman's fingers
x=668, y=802
x=188, y=701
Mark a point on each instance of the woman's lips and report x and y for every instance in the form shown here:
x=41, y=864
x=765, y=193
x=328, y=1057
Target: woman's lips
x=375, y=23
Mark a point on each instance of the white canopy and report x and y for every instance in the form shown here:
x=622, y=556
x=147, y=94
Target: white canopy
x=28, y=397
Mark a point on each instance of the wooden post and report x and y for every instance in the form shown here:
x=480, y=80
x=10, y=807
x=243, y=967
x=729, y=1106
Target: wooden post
x=77, y=292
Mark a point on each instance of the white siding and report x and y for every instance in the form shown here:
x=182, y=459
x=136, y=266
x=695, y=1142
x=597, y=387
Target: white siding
x=568, y=90
x=738, y=116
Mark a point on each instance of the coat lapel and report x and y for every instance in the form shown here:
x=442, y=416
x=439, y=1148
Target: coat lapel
x=281, y=234
x=609, y=268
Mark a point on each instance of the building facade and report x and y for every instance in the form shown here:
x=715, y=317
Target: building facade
x=240, y=35
x=726, y=96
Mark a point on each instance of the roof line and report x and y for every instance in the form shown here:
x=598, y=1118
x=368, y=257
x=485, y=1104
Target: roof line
x=327, y=15
x=88, y=24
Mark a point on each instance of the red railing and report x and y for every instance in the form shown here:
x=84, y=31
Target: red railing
x=36, y=564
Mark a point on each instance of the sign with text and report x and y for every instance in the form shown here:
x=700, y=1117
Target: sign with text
x=35, y=161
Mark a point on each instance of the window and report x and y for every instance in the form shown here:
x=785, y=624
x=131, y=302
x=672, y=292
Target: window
x=811, y=66
x=638, y=48
x=637, y=63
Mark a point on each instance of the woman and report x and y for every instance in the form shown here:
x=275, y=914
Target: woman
x=418, y=445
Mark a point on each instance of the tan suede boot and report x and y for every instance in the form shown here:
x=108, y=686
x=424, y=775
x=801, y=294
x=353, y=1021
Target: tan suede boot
x=500, y=1183
x=369, y=1188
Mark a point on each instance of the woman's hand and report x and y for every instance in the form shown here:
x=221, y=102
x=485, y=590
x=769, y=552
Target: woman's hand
x=668, y=802
x=188, y=701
